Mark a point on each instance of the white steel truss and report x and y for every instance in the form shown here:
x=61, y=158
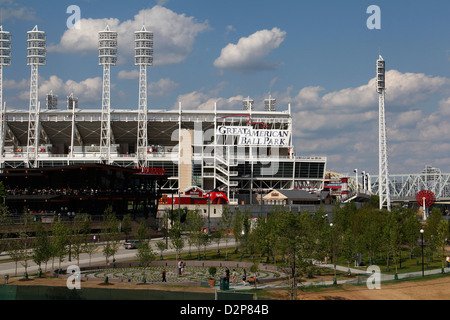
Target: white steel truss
x=33, y=121
x=107, y=43
x=406, y=186
x=383, y=191
x=2, y=133
x=143, y=58
x=105, y=134
x=142, y=141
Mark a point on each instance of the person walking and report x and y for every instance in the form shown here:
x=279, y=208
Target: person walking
x=448, y=261
x=164, y=276
x=244, y=277
x=234, y=276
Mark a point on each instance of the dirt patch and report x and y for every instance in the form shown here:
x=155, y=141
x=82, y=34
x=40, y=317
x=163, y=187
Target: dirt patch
x=62, y=282
x=435, y=289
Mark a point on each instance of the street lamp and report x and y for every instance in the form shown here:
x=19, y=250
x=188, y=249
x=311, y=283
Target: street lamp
x=421, y=234
x=209, y=217
x=333, y=253
x=363, y=177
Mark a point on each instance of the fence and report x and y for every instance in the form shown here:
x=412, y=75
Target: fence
x=12, y=292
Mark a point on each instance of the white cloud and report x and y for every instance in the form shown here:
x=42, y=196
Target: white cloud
x=162, y=87
x=403, y=90
x=206, y=100
x=88, y=90
x=14, y=11
x=249, y=53
x=128, y=75
x=13, y=84
x=343, y=124
x=174, y=35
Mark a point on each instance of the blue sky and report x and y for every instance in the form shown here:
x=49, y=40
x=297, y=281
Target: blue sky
x=318, y=56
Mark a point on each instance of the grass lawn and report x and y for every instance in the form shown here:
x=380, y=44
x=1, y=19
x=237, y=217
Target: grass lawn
x=406, y=265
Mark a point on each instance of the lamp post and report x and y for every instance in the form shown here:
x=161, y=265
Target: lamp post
x=209, y=217
x=333, y=253
x=421, y=234
x=363, y=177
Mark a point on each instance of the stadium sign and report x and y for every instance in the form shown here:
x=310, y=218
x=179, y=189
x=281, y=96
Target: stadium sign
x=151, y=171
x=256, y=137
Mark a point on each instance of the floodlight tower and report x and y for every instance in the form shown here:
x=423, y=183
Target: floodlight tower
x=383, y=176
x=107, y=55
x=36, y=56
x=143, y=48
x=269, y=104
x=5, y=60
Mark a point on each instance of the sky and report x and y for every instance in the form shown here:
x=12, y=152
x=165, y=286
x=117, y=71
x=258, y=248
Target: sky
x=316, y=56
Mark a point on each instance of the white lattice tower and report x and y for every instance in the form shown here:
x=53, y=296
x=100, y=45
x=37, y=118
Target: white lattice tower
x=36, y=56
x=5, y=60
x=383, y=189
x=107, y=44
x=143, y=40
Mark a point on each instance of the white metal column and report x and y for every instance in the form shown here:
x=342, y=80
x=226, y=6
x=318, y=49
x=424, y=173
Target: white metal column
x=105, y=134
x=143, y=46
x=107, y=46
x=33, y=120
x=383, y=191
x=142, y=142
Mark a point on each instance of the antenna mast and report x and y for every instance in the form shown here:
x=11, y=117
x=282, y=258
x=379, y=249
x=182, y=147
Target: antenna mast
x=383, y=178
x=36, y=56
x=143, y=41
x=107, y=44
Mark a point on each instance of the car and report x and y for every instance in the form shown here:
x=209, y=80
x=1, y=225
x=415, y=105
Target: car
x=132, y=244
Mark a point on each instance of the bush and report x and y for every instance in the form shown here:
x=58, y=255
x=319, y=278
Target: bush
x=212, y=271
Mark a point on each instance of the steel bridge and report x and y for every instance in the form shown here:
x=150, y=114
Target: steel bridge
x=404, y=187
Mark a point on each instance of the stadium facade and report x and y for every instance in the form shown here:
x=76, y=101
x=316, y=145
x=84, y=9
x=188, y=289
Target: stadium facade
x=236, y=152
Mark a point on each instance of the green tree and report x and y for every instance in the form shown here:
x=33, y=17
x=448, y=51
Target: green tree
x=142, y=232
x=294, y=243
x=441, y=238
x=431, y=231
x=225, y=225
x=42, y=246
x=393, y=234
x=411, y=227
x=217, y=238
x=194, y=223
x=80, y=230
x=145, y=254
x=111, y=234
x=14, y=251
x=126, y=226
x=161, y=245
x=176, y=237
x=60, y=240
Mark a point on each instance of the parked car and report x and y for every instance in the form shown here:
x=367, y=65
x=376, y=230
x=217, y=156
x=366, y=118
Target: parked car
x=132, y=244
